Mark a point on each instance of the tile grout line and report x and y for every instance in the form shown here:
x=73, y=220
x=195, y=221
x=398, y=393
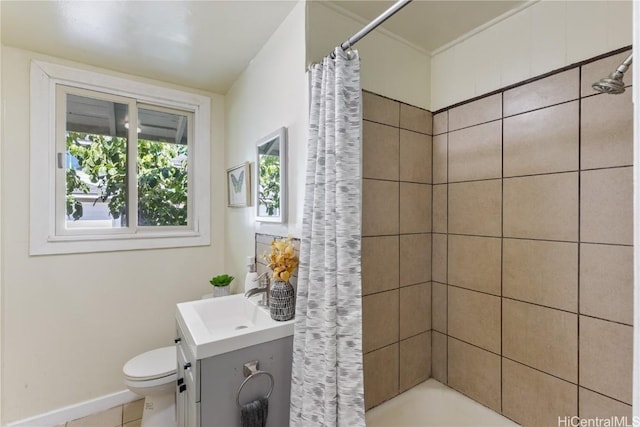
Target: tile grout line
x=431, y=160
x=579, y=238
x=501, y=251
x=397, y=390
x=446, y=261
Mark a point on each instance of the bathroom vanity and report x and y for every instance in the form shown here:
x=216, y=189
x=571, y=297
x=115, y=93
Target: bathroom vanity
x=215, y=338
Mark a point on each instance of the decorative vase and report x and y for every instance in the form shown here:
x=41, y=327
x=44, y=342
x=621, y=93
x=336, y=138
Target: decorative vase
x=221, y=291
x=282, y=301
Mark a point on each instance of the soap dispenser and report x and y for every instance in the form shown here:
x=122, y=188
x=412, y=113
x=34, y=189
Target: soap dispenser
x=251, y=279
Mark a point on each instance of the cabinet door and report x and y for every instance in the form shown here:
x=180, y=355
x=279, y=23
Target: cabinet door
x=181, y=398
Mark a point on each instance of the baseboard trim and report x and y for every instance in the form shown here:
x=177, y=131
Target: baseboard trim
x=78, y=410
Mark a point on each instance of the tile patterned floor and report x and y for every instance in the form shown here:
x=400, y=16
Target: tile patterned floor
x=127, y=415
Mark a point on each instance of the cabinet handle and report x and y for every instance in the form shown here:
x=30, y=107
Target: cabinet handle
x=183, y=387
x=187, y=365
x=177, y=340
x=180, y=381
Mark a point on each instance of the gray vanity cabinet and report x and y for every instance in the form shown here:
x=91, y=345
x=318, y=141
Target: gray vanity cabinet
x=208, y=398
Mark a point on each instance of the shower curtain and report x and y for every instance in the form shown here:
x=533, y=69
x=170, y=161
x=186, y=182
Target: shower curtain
x=327, y=384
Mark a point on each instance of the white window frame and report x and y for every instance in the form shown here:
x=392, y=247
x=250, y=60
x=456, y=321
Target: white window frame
x=44, y=240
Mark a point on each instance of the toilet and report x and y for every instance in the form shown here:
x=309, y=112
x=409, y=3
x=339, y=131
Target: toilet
x=153, y=375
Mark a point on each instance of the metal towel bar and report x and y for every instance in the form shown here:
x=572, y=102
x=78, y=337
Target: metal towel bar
x=250, y=370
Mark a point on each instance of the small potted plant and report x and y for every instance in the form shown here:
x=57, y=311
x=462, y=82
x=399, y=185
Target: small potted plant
x=221, y=285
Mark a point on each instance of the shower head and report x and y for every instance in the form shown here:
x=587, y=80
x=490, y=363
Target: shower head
x=613, y=84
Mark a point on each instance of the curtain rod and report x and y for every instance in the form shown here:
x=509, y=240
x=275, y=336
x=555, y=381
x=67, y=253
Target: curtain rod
x=347, y=44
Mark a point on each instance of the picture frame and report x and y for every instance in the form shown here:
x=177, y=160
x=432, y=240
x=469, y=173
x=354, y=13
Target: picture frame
x=239, y=186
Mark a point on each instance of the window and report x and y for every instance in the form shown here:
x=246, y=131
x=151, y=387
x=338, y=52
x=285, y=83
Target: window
x=114, y=165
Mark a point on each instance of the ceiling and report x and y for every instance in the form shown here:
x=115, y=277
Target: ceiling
x=206, y=44
x=200, y=44
x=430, y=24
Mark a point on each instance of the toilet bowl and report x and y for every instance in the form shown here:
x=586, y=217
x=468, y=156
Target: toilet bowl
x=153, y=375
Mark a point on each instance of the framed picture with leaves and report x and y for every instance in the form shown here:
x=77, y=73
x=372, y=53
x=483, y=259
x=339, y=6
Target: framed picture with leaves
x=239, y=186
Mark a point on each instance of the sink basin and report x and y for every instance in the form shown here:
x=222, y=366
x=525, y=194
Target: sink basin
x=218, y=325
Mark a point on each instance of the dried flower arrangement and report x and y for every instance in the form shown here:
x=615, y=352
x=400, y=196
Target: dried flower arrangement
x=282, y=259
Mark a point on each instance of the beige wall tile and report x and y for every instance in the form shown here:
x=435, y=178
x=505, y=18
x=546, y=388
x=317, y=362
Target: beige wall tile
x=476, y=152
x=475, y=372
x=380, y=205
x=606, y=211
x=606, y=282
x=415, y=208
x=551, y=90
x=594, y=405
x=601, y=68
x=440, y=208
x=415, y=360
x=109, y=418
x=474, y=317
x=542, y=207
x=607, y=131
x=474, y=263
x=415, y=253
x=133, y=411
x=380, y=109
x=379, y=320
x=415, y=157
x=439, y=259
x=542, y=141
x=606, y=357
x=440, y=123
x=380, y=263
x=135, y=423
x=474, y=208
x=439, y=356
x=439, y=307
x=380, y=151
x=476, y=112
x=533, y=398
x=415, y=119
x=440, y=159
x=541, y=337
x=380, y=375
x=544, y=273
x=415, y=309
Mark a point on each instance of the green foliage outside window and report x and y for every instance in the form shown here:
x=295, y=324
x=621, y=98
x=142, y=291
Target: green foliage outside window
x=269, y=188
x=162, y=186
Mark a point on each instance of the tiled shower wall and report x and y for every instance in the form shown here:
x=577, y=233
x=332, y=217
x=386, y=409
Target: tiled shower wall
x=532, y=248
x=522, y=201
x=396, y=247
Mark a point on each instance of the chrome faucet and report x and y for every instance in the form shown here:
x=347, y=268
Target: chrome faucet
x=263, y=287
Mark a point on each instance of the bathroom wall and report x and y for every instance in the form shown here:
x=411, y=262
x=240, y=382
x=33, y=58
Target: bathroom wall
x=382, y=54
x=532, y=248
x=272, y=92
x=70, y=322
x=547, y=35
x=396, y=247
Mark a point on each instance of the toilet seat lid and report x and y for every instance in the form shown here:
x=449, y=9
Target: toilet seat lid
x=157, y=363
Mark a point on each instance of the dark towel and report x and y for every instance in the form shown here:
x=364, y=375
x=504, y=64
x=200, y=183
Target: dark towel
x=254, y=414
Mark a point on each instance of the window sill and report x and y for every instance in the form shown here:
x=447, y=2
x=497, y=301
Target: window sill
x=56, y=245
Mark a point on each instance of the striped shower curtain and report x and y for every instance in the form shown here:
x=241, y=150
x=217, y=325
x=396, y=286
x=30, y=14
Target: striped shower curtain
x=326, y=384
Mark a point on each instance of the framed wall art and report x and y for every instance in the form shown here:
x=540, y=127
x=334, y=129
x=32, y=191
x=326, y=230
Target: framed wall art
x=239, y=186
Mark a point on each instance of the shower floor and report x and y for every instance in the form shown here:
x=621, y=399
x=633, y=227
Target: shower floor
x=434, y=404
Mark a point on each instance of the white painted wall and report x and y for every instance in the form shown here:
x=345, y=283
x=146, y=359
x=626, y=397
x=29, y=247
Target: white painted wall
x=1, y=257
x=70, y=322
x=636, y=222
x=272, y=92
x=390, y=66
x=543, y=37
